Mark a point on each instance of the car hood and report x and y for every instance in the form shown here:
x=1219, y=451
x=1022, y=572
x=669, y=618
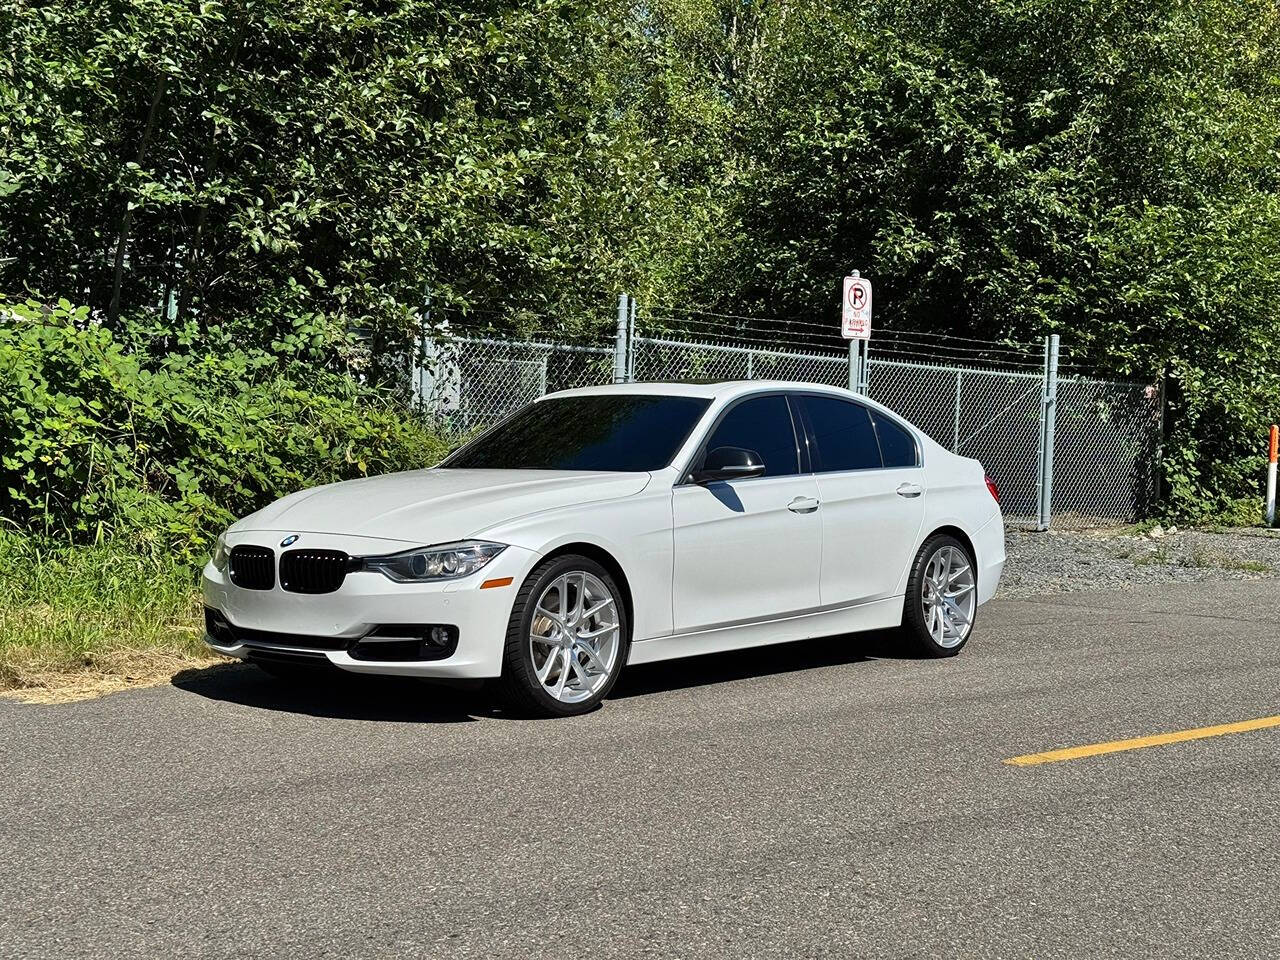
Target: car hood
x=437, y=505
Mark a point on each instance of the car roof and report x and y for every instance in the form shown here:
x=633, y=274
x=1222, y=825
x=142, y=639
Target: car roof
x=708, y=390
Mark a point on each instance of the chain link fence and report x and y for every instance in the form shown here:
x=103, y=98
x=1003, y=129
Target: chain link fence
x=1106, y=449
x=1105, y=442
x=1104, y=459
x=658, y=359
x=464, y=384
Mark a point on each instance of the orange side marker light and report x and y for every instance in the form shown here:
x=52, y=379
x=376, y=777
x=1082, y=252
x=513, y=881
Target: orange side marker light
x=499, y=582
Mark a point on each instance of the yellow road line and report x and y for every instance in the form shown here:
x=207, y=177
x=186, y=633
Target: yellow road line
x=1138, y=743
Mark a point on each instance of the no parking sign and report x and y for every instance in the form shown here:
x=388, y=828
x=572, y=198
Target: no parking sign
x=855, y=316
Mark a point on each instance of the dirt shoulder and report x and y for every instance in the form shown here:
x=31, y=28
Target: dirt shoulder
x=1061, y=561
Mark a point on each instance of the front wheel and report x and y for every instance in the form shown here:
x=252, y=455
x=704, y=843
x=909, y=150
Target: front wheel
x=567, y=639
x=942, y=597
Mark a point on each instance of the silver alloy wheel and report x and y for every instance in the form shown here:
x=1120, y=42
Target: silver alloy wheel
x=574, y=636
x=948, y=596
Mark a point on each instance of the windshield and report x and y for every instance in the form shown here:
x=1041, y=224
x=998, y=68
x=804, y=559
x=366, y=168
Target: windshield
x=610, y=431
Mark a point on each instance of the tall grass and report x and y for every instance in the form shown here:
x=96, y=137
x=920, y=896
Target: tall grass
x=107, y=608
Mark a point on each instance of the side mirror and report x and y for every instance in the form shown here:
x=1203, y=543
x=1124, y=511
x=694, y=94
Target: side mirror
x=729, y=463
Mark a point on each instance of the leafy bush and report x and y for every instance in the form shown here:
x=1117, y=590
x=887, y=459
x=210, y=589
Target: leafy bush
x=1245, y=512
x=99, y=440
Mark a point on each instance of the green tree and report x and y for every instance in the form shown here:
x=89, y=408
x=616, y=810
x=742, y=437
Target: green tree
x=1106, y=170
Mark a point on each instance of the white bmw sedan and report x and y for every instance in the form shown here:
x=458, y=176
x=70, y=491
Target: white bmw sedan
x=614, y=525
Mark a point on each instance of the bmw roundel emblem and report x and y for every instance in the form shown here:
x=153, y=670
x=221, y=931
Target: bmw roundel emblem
x=289, y=540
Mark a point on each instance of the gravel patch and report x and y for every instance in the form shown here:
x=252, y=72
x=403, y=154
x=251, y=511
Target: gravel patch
x=1060, y=561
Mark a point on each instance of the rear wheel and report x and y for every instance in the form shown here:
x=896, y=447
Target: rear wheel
x=567, y=639
x=942, y=597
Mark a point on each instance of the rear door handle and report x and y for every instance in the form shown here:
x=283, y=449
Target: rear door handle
x=910, y=490
x=804, y=505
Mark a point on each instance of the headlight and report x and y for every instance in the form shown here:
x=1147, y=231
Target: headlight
x=220, y=553
x=448, y=561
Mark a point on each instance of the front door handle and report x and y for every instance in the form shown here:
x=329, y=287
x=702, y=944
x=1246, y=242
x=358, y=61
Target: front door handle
x=910, y=490
x=804, y=505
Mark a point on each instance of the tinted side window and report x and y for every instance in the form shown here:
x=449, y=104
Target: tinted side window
x=842, y=433
x=897, y=447
x=762, y=424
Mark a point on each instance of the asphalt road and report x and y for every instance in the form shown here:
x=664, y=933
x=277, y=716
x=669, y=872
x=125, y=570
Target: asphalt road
x=817, y=800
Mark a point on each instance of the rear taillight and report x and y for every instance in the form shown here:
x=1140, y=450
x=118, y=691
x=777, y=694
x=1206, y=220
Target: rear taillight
x=991, y=485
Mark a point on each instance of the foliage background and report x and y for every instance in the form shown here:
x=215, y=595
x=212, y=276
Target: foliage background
x=247, y=201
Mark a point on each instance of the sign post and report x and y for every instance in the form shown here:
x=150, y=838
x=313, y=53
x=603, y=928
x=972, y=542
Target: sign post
x=855, y=326
x=1273, y=453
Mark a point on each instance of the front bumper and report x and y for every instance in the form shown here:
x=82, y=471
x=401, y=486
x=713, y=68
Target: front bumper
x=365, y=601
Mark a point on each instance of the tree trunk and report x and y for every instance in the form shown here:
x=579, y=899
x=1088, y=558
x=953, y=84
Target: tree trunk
x=113, y=312
x=212, y=159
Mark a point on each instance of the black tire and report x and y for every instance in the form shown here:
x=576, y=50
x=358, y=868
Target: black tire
x=915, y=631
x=519, y=688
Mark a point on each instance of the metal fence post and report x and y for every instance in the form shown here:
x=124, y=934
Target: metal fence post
x=424, y=360
x=859, y=359
x=1156, y=489
x=620, y=340
x=1044, y=381
x=955, y=430
x=419, y=357
x=1048, y=426
x=631, y=342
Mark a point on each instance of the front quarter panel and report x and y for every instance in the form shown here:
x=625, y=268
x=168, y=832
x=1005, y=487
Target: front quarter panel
x=635, y=531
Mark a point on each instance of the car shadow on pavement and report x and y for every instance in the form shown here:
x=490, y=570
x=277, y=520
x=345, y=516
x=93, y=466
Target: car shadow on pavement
x=336, y=695
x=345, y=696
x=763, y=661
